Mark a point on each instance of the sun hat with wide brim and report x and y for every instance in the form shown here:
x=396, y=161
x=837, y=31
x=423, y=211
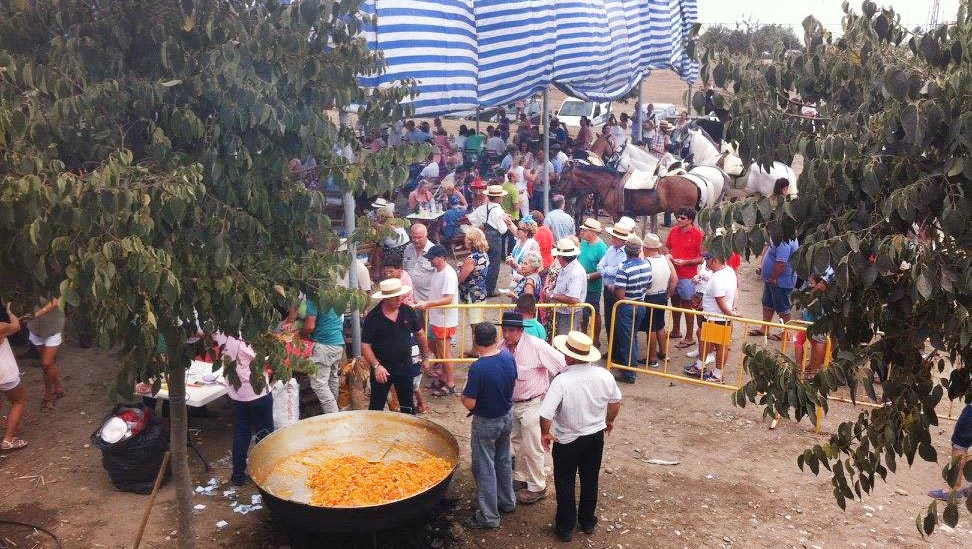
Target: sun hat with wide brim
x=379, y=203
x=592, y=224
x=619, y=231
x=389, y=288
x=577, y=345
x=652, y=241
x=566, y=248
x=495, y=190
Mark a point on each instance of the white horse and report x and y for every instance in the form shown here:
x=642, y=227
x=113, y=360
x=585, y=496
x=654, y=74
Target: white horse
x=705, y=153
x=760, y=181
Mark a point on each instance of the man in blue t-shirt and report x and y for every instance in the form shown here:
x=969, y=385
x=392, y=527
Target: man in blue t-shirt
x=779, y=278
x=326, y=329
x=488, y=395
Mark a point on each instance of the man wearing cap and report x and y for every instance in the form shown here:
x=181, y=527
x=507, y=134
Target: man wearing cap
x=536, y=364
x=592, y=250
x=632, y=281
x=488, y=395
x=445, y=291
x=663, y=281
x=571, y=287
x=684, y=245
x=578, y=410
x=608, y=266
x=388, y=334
x=491, y=218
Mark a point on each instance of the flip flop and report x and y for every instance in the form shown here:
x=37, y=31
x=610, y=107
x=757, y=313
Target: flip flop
x=684, y=344
x=47, y=405
x=775, y=337
x=13, y=445
x=755, y=332
x=444, y=391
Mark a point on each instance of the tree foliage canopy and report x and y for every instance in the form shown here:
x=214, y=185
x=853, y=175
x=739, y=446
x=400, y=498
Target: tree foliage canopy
x=884, y=201
x=143, y=170
x=749, y=38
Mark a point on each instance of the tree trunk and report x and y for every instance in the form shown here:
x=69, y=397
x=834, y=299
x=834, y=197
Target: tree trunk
x=178, y=442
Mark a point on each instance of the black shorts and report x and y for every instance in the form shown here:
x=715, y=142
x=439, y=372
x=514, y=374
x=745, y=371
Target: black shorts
x=655, y=319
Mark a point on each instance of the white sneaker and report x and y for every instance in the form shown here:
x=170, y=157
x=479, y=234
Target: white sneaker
x=709, y=358
x=693, y=353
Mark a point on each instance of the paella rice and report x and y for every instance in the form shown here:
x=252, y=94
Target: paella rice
x=352, y=481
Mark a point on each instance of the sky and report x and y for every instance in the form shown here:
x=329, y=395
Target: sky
x=792, y=12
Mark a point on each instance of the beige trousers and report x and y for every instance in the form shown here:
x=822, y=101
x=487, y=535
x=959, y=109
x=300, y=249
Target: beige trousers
x=527, y=446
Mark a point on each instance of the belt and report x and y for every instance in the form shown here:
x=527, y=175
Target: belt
x=528, y=399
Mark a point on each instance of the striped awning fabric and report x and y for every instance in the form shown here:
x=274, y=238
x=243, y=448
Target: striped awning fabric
x=466, y=54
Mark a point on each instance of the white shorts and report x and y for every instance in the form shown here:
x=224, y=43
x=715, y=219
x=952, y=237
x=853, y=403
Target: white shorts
x=53, y=341
x=10, y=385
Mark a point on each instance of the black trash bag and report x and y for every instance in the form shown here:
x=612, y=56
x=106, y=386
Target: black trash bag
x=132, y=464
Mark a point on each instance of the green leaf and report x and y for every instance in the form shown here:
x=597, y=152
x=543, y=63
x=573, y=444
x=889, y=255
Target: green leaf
x=927, y=452
x=950, y=515
x=924, y=286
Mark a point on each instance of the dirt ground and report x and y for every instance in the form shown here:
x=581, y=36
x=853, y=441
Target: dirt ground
x=736, y=483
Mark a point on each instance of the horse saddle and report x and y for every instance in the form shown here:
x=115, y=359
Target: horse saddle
x=639, y=180
x=704, y=191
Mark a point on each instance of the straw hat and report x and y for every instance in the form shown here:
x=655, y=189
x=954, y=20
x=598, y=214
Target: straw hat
x=566, y=248
x=652, y=241
x=626, y=222
x=391, y=287
x=591, y=224
x=577, y=345
x=619, y=231
x=495, y=190
x=379, y=203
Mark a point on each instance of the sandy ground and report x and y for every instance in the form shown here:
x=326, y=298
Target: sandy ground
x=736, y=483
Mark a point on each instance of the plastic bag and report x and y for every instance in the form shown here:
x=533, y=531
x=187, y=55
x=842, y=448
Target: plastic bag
x=286, y=403
x=132, y=464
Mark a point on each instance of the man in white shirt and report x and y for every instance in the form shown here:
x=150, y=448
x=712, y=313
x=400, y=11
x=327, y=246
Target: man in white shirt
x=717, y=298
x=495, y=144
x=577, y=412
x=491, y=218
x=507, y=161
x=444, y=291
x=395, y=133
x=431, y=170
x=560, y=222
x=571, y=287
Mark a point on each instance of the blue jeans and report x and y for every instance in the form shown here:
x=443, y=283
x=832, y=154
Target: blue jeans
x=249, y=417
x=492, y=467
x=625, y=332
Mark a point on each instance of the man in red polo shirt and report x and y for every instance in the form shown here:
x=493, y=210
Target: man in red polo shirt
x=684, y=245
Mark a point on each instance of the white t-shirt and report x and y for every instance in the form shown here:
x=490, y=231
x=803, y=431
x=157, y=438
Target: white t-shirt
x=722, y=283
x=445, y=282
x=495, y=145
x=432, y=170
x=661, y=271
x=577, y=401
x=362, y=276
x=9, y=372
x=489, y=213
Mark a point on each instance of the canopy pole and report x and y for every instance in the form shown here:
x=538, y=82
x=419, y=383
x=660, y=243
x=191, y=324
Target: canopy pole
x=639, y=118
x=477, y=118
x=353, y=256
x=546, y=151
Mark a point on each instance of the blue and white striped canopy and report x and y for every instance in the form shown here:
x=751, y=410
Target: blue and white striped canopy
x=479, y=53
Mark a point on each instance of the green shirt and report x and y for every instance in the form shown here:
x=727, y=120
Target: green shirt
x=590, y=255
x=534, y=328
x=329, y=329
x=510, y=201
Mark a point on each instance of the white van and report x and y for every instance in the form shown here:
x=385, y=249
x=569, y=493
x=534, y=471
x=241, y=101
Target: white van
x=572, y=109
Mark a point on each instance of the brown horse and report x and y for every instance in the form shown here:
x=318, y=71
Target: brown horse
x=669, y=195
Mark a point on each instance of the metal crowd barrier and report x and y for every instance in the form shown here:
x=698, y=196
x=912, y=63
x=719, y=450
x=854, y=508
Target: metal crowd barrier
x=473, y=313
x=712, y=335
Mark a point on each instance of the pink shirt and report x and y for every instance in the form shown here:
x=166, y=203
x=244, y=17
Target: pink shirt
x=409, y=298
x=536, y=364
x=243, y=354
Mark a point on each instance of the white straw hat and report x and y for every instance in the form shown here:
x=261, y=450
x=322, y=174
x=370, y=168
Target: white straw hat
x=566, y=248
x=495, y=190
x=577, y=345
x=389, y=288
x=619, y=231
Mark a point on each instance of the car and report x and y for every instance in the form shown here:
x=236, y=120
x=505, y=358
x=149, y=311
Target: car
x=572, y=109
